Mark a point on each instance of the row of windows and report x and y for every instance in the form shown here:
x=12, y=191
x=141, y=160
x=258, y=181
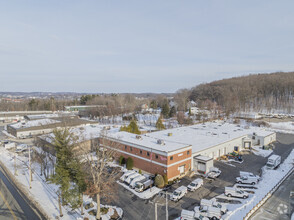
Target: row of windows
x=148, y=154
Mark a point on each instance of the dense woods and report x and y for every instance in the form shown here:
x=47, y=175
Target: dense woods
x=252, y=92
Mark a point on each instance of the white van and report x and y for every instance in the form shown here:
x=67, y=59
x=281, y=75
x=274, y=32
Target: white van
x=206, y=202
x=131, y=177
x=195, y=184
x=126, y=175
x=247, y=180
x=191, y=215
x=135, y=180
x=231, y=191
x=209, y=212
x=179, y=193
x=273, y=161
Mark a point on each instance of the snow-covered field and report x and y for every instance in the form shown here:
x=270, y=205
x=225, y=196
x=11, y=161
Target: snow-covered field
x=283, y=127
x=42, y=192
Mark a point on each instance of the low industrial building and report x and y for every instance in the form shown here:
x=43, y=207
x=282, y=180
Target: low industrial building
x=153, y=155
x=175, y=152
x=26, y=129
x=14, y=116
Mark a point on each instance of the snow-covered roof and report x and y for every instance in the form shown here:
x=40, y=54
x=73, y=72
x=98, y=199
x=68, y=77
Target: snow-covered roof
x=148, y=142
x=84, y=133
x=34, y=123
x=203, y=136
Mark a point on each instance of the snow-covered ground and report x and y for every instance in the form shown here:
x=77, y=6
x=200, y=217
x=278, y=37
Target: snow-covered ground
x=283, y=127
x=42, y=192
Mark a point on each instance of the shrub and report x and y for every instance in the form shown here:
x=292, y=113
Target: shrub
x=159, y=181
x=122, y=160
x=165, y=179
x=130, y=163
x=140, y=171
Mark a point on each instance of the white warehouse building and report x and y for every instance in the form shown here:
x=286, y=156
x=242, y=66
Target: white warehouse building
x=214, y=139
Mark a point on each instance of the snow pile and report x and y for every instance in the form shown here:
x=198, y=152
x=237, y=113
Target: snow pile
x=111, y=209
x=270, y=179
x=147, y=194
x=42, y=192
x=261, y=152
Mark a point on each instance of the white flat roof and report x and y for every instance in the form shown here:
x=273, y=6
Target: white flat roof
x=34, y=123
x=203, y=136
x=148, y=142
x=83, y=133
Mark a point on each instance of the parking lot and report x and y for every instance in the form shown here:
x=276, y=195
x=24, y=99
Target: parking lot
x=134, y=206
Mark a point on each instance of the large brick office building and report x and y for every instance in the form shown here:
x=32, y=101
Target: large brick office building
x=153, y=155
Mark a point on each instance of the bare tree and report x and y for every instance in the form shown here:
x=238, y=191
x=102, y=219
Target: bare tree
x=102, y=177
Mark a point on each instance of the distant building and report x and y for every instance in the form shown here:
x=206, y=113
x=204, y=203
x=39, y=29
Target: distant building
x=26, y=129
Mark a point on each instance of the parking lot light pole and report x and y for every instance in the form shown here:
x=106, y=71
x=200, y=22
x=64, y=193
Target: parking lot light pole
x=30, y=170
x=155, y=211
x=166, y=206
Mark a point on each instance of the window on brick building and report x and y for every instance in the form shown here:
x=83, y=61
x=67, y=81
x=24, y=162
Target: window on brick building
x=131, y=148
x=156, y=156
x=148, y=154
x=126, y=147
x=171, y=158
x=188, y=152
x=140, y=152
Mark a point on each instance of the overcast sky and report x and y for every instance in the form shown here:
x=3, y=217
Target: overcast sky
x=140, y=46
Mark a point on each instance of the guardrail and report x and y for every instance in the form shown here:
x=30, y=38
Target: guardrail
x=268, y=195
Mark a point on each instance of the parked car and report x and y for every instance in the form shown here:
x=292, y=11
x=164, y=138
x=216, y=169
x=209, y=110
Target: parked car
x=273, y=161
x=143, y=184
x=214, y=172
x=179, y=193
x=195, y=184
x=209, y=212
x=20, y=148
x=126, y=175
x=231, y=191
x=206, y=202
x=242, y=173
x=247, y=180
x=191, y=215
x=131, y=177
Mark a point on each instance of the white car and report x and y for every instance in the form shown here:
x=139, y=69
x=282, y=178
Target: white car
x=214, y=173
x=197, y=183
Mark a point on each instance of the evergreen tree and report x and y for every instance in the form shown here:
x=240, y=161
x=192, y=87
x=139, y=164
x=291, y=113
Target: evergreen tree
x=153, y=104
x=131, y=128
x=173, y=112
x=165, y=110
x=69, y=175
x=62, y=176
x=159, y=124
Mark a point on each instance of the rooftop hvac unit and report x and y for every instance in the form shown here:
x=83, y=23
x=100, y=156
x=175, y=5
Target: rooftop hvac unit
x=138, y=137
x=161, y=142
x=254, y=133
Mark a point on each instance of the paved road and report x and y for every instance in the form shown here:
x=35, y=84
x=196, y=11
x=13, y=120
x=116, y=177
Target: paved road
x=278, y=207
x=13, y=204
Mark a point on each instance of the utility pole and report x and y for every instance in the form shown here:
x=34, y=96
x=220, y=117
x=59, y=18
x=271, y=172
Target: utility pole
x=15, y=171
x=155, y=211
x=30, y=170
x=166, y=206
